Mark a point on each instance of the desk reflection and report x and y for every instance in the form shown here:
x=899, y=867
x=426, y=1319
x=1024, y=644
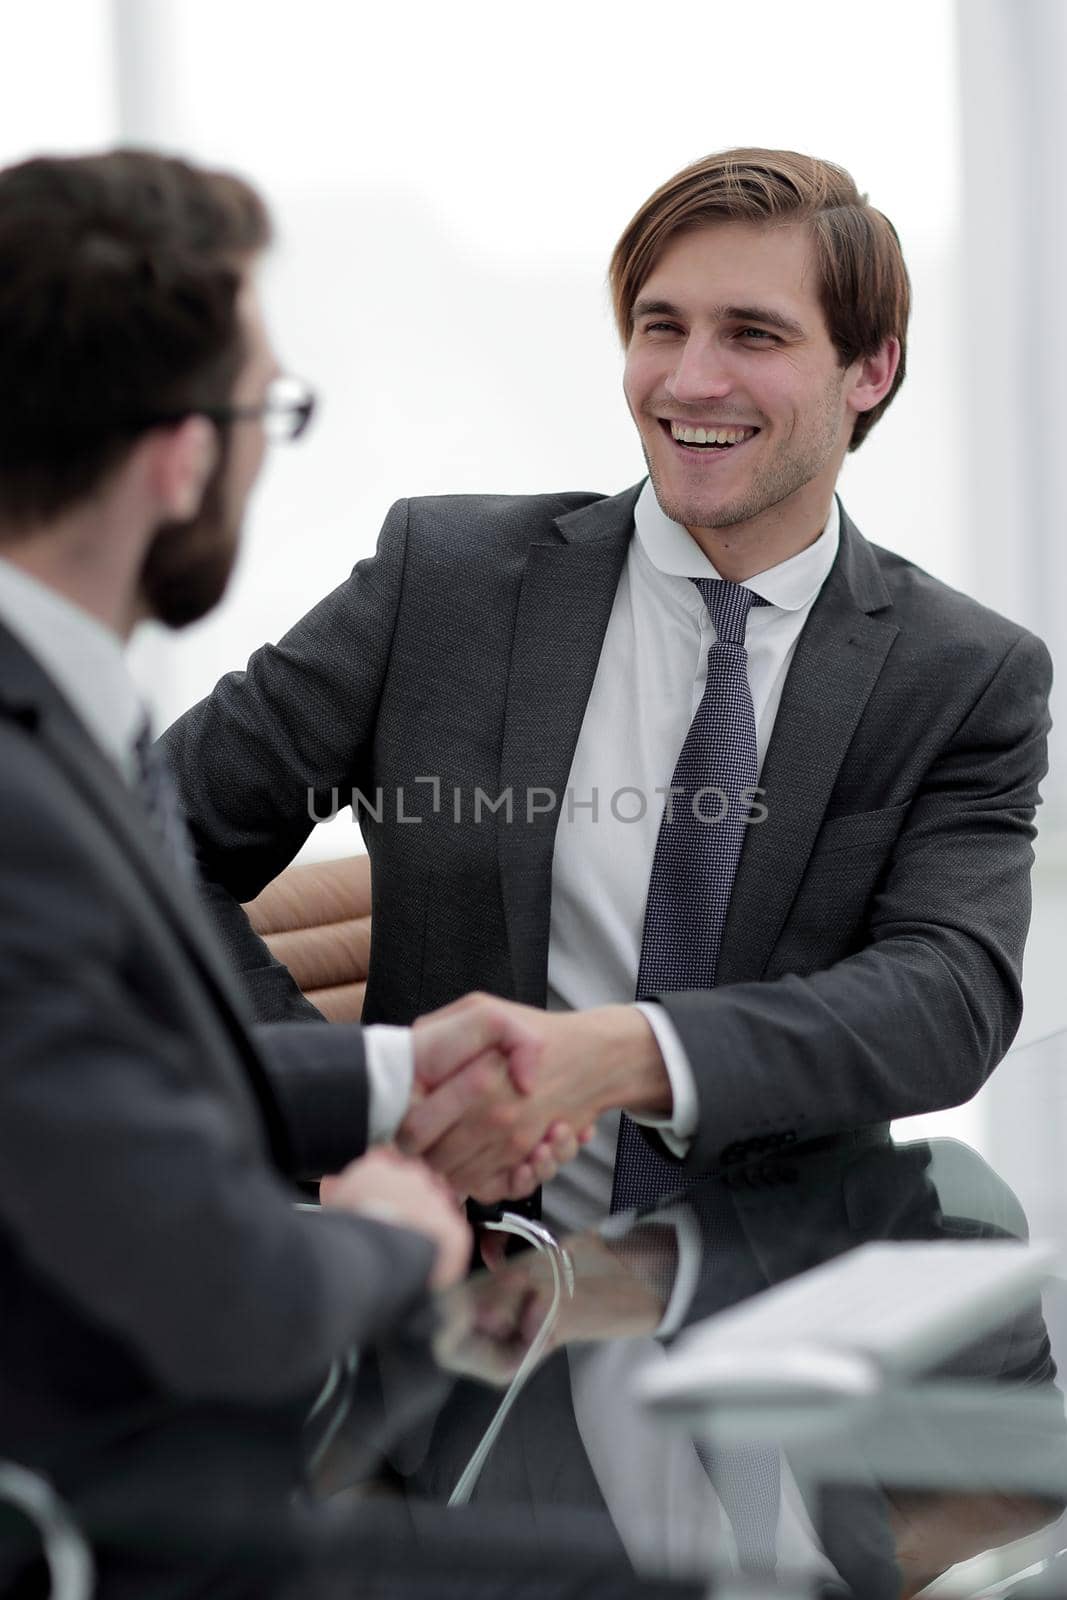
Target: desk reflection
x=532, y=1382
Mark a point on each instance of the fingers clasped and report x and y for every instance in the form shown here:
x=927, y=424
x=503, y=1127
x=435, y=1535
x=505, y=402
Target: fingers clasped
x=476, y=1116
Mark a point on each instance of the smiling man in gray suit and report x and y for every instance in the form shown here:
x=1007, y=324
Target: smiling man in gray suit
x=744, y=801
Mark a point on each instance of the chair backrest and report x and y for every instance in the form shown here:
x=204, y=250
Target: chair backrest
x=316, y=919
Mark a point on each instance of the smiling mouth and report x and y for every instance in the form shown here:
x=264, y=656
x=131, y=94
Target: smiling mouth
x=708, y=439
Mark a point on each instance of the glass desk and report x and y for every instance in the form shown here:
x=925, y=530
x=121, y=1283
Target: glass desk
x=566, y=1429
x=943, y=1471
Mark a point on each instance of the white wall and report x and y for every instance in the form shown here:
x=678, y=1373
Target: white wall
x=57, y=77
x=449, y=183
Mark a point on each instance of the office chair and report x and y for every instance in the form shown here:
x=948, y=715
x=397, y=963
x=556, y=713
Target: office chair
x=316, y=920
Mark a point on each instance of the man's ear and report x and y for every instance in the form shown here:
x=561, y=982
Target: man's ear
x=182, y=459
x=874, y=376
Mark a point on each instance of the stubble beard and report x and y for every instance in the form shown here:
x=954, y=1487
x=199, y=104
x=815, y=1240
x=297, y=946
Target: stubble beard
x=788, y=470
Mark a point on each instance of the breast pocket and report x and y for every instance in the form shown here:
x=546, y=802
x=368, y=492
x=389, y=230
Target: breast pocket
x=860, y=830
x=830, y=914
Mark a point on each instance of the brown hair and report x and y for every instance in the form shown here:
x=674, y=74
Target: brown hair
x=119, y=277
x=863, y=283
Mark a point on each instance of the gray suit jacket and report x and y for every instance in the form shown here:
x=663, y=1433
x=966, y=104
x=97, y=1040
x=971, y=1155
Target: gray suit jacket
x=871, y=960
x=157, y=1285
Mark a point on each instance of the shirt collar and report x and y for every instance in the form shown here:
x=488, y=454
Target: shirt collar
x=791, y=585
x=84, y=659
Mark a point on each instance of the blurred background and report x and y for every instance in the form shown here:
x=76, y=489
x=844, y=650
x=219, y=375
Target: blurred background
x=448, y=183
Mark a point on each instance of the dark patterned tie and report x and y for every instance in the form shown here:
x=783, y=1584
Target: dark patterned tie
x=156, y=788
x=748, y=1481
x=697, y=851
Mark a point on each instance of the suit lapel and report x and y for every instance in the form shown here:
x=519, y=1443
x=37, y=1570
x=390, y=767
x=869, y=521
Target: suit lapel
x=565, y=602
x=32, y=698
x=838, y=658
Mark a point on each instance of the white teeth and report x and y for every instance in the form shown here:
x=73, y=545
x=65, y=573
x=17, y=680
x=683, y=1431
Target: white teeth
x=685, y=435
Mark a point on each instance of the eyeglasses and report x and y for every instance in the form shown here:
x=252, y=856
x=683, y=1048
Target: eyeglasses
x=285, y=412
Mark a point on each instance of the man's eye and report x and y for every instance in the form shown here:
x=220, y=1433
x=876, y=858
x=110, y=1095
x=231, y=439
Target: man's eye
x=759, y=334
x=660, y=327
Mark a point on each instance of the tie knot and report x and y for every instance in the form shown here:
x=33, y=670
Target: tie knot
x=729, y=605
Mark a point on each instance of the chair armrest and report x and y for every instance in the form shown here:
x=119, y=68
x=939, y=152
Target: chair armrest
x=315, y=919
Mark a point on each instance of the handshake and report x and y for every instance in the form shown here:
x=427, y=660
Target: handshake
x=503, y=1096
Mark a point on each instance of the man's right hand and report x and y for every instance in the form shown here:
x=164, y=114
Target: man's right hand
x=498, y=1053
x=405, y=1192
x=495, y=1077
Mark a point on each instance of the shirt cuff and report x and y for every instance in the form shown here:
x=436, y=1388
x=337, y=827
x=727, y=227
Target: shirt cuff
x=677, y=1129
x=390, y=1060
x=687, y=1276
x=675, y=1281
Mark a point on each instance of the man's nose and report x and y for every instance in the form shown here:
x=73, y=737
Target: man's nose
x=702, y=373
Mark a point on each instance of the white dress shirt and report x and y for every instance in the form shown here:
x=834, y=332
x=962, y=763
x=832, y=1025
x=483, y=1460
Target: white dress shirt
x=87, y=663
x=668, y=1514
x=649, y=681
x=84, y=659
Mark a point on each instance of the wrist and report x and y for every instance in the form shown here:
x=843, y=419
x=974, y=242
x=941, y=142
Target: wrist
x=381, y=1211
x=631, y=1074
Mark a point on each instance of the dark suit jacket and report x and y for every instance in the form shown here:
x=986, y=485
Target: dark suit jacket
x=161, y=1301
x=871, y=960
